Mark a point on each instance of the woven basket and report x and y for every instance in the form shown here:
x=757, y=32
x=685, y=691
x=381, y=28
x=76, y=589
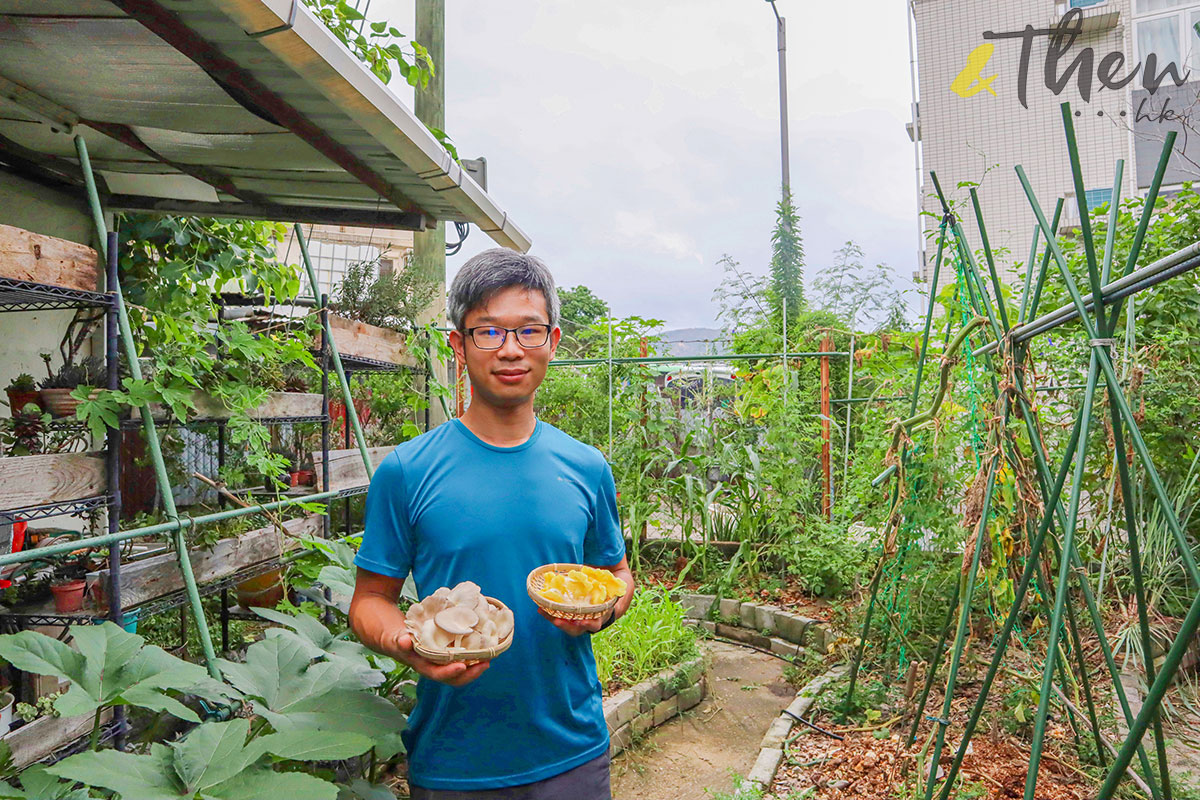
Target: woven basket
x=572, y=613
x=468, y=657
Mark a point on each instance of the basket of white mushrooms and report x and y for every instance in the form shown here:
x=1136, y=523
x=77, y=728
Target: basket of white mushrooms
x=459, y=624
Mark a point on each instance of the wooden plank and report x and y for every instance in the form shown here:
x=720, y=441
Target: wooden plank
x=38, y=739
x=346, y=468
x=354, y=338
x=33, y=257
x=38, y=480
x=277, y=404
x=142, y=581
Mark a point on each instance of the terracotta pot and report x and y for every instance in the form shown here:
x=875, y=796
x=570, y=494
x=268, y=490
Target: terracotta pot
x=17, y=399
x=261, y=591
x=60, y=403
x=68, y=595
x=303, y=477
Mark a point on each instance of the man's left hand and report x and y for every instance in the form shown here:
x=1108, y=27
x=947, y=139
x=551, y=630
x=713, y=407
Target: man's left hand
x=576, y=627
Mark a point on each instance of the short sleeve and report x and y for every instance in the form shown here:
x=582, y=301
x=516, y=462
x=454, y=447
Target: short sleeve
x=604, y=545
x=387, y=545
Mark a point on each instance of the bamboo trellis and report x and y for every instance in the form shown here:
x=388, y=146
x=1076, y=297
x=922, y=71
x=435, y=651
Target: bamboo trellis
x=1005, y=357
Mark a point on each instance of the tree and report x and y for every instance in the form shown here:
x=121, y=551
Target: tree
x=787, y=259
x=580, y=310
x=860, y=295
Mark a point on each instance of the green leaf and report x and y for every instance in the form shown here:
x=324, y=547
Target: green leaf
x=211, y=753
x=361, y=790
x=134, y=777
x=303, y=745
x=42, y=655
x=256, y=784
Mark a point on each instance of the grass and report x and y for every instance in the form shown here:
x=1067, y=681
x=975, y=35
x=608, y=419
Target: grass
x=648, y=639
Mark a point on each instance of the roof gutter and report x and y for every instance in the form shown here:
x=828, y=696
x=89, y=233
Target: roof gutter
x=298, y=39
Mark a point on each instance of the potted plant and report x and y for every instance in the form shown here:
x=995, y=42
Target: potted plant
x=22, y=391
x=58, y=386
x=67, y=586
x=304, y=474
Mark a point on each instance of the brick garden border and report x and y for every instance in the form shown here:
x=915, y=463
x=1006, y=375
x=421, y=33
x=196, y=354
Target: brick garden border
x=633, y=711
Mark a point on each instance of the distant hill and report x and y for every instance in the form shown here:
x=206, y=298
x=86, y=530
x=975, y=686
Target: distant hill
x=692, y=342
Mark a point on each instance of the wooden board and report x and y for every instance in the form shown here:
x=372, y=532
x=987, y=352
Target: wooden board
x=368, y=341
x=346, y=468
x=38, y=480
x=142, y=581
x=38, y=739
x=277, y=404
x=33, y=257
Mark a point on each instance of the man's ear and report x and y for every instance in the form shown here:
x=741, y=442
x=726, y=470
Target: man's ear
x=555, y=338
x=458, y=344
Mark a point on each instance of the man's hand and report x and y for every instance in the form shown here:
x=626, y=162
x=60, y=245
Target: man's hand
x=453, y=674
x=580, y=627
x=379, y=624
x=575, y=627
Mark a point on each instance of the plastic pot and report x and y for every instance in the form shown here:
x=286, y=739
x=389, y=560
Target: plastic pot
x=68, y=595
x=261, y=591
x=19, y=398
x=59, y=402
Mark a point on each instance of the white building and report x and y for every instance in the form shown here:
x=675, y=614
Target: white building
x=990, y=94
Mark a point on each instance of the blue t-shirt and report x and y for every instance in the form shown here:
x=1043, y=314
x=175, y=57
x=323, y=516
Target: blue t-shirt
x=451, y=508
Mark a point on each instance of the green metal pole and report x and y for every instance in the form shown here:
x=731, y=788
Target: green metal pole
x=1114, y=209
x=991, y=261
x=1110, y=375
x=1028, y=275
x=179, y=523
x=1085, y=219
x=336, y=357
x=1045, y=269
x=964, y=617
x=1061, y=589
x=152, y=442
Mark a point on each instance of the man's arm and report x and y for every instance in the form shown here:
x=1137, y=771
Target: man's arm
x=579, y=628
x=379, y=624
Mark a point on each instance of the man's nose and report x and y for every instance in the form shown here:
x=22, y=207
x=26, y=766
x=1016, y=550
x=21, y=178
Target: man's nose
x=511, y=347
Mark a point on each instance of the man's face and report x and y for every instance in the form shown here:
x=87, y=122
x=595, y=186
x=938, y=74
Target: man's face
x=509, y=376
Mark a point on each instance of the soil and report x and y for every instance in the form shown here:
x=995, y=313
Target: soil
x=696, y=754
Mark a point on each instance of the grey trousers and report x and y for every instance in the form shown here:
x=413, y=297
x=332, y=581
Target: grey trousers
x=588, y=781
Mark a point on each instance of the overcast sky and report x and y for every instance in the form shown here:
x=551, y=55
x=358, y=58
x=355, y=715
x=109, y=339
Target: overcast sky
x=637, y=141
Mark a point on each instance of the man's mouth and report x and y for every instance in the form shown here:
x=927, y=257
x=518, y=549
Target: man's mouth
x=510, y=375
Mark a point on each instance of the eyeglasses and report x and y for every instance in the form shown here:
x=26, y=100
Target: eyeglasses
x=490, y=337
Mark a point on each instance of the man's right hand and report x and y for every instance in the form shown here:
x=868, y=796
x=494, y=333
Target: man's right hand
x=453, y=674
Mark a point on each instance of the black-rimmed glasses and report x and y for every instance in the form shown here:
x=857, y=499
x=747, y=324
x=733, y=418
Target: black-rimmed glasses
x=491, y=337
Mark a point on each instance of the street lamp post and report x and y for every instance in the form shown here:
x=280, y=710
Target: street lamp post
x=784, y=160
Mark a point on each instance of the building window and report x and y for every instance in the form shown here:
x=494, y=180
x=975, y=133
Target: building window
x=1087, y=3
x=1097, y=197
x=1167, y=29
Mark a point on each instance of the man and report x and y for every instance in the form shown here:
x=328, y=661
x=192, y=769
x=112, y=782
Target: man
x=487, y=498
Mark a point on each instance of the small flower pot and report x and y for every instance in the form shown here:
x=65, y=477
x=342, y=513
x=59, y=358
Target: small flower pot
x=68, y=595
x=303, y=477
x=261, y=591
x=60, y=403
x=18, y=399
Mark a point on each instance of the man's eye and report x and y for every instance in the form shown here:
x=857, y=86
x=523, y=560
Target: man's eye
x=529, y=331
x=491, y=331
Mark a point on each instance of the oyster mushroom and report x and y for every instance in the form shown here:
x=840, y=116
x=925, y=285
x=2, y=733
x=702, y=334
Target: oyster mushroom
x=457, y=620
x=503, y=618
x=465, y=594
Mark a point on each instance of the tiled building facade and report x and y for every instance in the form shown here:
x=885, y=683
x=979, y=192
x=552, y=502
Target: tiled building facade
x=974, y=127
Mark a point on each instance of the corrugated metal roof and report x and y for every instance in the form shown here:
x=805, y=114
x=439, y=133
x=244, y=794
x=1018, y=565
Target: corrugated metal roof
x=222, y=107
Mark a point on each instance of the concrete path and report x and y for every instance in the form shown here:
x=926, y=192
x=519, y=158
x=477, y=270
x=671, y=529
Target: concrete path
x=701, y=749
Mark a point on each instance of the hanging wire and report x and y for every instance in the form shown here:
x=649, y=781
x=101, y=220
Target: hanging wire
x=462, y=228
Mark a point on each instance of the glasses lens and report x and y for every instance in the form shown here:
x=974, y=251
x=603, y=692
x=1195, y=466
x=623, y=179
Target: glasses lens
x=533, y=335
x=488, y=338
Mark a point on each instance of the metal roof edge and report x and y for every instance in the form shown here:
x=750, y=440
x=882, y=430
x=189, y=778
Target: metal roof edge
x=303, y=43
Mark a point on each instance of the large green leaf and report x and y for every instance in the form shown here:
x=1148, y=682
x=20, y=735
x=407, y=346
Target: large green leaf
x=133, y=777
x=260, y=783
x=37, y=784
x=318, y=639
x=211, y=754
x=110, y=668
x=340, y=710
x=300, y=745
x=361, y=790
x=279, y=673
